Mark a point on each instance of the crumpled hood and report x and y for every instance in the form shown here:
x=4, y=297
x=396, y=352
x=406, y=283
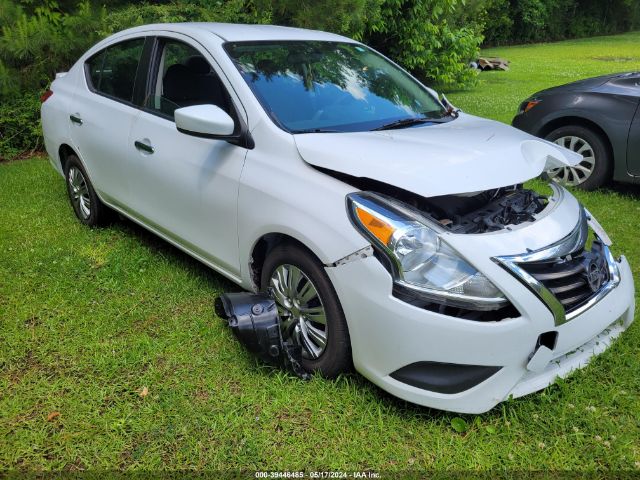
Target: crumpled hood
x=468, y=154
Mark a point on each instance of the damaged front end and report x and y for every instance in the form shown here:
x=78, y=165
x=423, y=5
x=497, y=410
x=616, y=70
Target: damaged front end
x=475, y=212
x=415, y=239
x=254, y=320
x=409, y=233
x=478, y=212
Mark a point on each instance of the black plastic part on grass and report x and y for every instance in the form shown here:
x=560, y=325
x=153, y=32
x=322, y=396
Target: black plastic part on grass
x=254, y=320
x=443, y=377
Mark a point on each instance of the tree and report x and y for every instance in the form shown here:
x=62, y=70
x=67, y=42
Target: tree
x=417, y=34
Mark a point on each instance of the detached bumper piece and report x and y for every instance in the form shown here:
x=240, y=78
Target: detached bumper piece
x=254, y=321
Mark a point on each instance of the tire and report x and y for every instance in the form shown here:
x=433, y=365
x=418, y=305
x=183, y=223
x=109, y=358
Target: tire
x=298, y=317
x=595, y=169
x=82, y=196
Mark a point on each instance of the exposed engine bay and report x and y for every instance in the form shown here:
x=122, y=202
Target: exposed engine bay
x=477, y=212
x=482, y=212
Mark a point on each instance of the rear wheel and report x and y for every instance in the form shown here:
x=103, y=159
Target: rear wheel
x=84, y=200
x=595, y=168
x=309, y=310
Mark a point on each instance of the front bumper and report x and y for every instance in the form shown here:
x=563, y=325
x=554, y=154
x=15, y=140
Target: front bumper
x=388, y=334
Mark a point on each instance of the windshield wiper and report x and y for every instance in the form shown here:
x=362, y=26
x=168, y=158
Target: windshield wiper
x=315, y=130
x=407, y=122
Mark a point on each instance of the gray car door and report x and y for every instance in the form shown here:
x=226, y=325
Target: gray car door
x=633, y=146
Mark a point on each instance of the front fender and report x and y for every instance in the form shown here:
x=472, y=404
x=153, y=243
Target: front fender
x=282, y=194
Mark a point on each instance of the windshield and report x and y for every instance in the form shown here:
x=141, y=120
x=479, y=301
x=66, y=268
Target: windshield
x=308, y=86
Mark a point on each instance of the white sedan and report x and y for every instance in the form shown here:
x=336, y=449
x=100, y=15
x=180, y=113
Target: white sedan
x=392, y=230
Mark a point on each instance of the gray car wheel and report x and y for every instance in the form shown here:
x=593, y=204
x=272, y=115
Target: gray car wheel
x=595, y=168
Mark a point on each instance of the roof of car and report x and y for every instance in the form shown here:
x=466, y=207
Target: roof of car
x=235, y=32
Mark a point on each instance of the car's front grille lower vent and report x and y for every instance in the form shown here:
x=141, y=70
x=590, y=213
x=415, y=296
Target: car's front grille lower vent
x=573, y=279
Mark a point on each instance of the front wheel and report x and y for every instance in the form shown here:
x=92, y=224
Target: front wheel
x=309, y=310
x=595, y=168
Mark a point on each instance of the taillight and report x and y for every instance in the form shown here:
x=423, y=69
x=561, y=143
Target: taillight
x=45, y=96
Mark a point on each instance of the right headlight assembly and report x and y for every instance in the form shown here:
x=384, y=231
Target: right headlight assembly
x=421, y=261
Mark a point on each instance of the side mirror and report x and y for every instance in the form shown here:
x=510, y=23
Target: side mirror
x=204, y=121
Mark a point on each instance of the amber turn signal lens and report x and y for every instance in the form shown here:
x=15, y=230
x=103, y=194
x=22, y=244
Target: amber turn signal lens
x=381, y=230
x=530, y=105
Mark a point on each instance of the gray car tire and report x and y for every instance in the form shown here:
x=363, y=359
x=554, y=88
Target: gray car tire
x=600, y=169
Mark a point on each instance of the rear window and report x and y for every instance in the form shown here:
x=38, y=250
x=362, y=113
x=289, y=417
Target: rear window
x=113, y=71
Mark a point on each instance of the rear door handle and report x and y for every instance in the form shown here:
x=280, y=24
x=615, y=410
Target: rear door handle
x=143, y=146
x=75, y=119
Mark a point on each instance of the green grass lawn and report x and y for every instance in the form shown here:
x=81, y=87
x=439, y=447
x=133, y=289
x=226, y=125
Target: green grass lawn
x=89, y=318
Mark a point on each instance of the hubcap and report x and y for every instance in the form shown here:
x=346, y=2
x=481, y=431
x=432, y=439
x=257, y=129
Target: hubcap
x=302, y=316
x=578, y=173
x=79, y=192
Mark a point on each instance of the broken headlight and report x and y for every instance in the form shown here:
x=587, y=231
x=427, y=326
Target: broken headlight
x=421, y=261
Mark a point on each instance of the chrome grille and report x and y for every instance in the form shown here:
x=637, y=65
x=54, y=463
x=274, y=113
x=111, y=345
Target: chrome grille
x=573, y=279
x=567, y=278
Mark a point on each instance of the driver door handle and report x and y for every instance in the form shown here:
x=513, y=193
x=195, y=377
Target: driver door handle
x=143, y=146
x=75, y=118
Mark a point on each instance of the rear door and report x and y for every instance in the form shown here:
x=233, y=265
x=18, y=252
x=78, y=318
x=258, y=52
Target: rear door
x=183, y=186
x=102, y=113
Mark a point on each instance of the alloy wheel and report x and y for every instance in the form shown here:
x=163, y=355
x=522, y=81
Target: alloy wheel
x=302, y=315
x=79, y=191
x=579, y=173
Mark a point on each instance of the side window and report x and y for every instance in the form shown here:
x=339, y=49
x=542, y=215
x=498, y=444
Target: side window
x=184, y=78
x=113, y=71
x=94, y=69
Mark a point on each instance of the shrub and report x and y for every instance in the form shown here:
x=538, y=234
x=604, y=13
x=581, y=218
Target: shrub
x=522, y=21
x=417, y=34
x=496, y=21
x=232, y=11
x=33, y=47
x=20, y=126
x=346, y=17
x=36, y=43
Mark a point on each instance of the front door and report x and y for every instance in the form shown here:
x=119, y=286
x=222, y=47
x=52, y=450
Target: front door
x=183, y=186
x=633, y=146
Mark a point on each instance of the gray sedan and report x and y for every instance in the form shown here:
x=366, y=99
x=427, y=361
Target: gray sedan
x=598, y=118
